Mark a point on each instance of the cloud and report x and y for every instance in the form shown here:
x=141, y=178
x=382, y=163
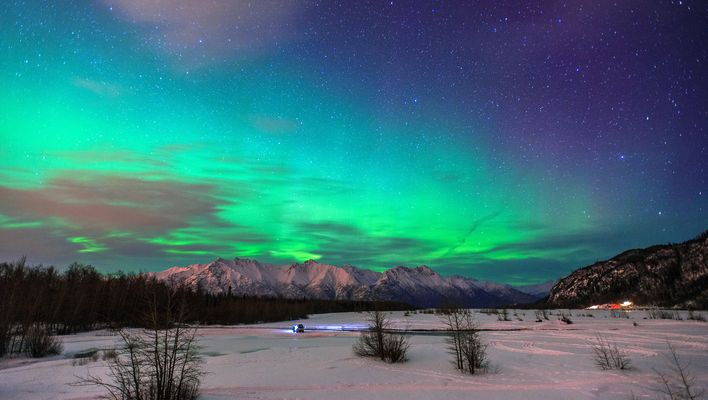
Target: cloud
x=567, y=244
x=127, y=158
x=516, y=272
x=99, y=88
x=375, y=251
x=99, y=203
x=197, y=33
x=330, y=228
x=549, y=254
x=274, y=125
x=342, y=243
x=39, y=245
x=89, y=245
x=116, y=221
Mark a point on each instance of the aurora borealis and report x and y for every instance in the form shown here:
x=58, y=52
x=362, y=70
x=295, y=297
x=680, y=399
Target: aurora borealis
x=488, y=139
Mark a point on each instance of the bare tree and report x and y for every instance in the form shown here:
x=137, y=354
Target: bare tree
x=454, y=322
x=608, y=356
x=464, y=343
x=378, y=342
x=678, y=383
x=158, y=363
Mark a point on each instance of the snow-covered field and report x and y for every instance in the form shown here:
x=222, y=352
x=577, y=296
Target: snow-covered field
x=530, y=360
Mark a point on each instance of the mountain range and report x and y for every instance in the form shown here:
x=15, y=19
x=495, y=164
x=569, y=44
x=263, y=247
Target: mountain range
x=661, y=275
x=419, y=287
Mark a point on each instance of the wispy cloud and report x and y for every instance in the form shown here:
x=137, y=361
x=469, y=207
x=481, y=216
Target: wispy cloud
x=198, y=33
x=99, y=202
x=473, y=227
x=100, y=88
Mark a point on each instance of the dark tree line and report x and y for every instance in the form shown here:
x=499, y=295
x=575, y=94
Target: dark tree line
x=81, y=298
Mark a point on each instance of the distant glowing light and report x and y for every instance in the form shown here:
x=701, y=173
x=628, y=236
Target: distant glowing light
x=611, y=306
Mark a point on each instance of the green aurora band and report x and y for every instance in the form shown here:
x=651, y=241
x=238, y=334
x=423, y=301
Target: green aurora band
x=120, y=153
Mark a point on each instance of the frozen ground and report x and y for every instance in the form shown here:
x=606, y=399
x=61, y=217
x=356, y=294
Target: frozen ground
x=548, y=360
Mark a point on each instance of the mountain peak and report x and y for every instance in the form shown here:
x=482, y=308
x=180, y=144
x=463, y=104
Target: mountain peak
x=426, y=269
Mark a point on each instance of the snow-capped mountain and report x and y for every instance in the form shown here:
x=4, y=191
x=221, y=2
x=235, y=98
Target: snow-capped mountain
x=419, y=286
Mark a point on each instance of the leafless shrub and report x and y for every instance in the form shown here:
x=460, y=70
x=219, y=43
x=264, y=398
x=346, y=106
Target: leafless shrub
x=464, y=343
x=695, y=316
x=395, y=348
x=40, y=343
x=565, y=317
x=608, y=356
x=367, y=346
x=655, y=313
x=109, y=354
x=377, y=342
x=539, y=316
x=79, y=362
x=503, y=315
x=677, y=383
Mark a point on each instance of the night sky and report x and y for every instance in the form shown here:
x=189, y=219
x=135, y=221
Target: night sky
x=512, y=141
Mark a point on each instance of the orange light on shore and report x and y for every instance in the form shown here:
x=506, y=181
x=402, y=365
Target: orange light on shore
x=611, y=306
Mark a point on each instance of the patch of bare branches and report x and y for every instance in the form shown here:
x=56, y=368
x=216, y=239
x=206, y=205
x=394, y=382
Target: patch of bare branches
x=608, y=356
x=464, y=342
x=677, y=383
x=159, y=362
x=541, y=315
x=379, y=342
